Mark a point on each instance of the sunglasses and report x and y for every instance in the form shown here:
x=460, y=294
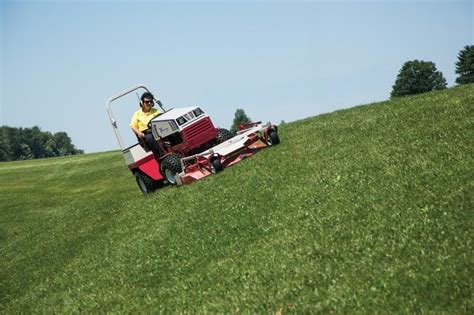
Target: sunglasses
x=148, y=102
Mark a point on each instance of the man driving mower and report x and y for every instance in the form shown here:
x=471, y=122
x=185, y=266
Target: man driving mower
x=140, y=120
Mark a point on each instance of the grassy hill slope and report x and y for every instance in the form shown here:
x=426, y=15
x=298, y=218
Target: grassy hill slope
x=366, y=209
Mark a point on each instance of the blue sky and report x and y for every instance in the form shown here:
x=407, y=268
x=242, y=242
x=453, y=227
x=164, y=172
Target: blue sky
x=61, y=60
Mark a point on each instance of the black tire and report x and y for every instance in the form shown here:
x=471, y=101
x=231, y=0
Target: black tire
x=145, y=183
x=273, y=138
x=223, y=135
x=171, y=166
x=216, y=166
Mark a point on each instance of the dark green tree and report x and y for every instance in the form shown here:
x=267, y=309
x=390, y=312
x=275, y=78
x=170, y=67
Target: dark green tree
x=15, y=140
x=26, y=153
x=240, y=118
x=5, y=148
x=63, y=142
x=35, y=139
x=418, y=76
x=465, y=65
x=32, y=143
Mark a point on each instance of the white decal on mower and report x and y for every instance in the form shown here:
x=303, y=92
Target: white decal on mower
x=236, y=139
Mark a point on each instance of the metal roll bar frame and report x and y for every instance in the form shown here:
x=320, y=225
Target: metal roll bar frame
x=108, y=106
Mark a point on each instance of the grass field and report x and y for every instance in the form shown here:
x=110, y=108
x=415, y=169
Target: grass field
x=365, y=210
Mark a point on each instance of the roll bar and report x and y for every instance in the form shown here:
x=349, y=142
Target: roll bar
x=119, y=95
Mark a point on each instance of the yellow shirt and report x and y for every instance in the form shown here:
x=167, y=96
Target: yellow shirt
x=141, y=119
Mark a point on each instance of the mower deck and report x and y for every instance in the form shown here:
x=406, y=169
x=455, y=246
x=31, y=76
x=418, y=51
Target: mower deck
x=230, y=152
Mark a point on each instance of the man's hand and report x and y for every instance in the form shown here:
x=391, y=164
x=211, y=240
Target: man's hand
x=139, y=134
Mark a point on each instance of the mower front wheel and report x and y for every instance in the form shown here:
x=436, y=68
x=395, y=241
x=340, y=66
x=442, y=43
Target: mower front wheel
x=216, y=166
x=170, y=167
x=273, y=138
x=145, y=183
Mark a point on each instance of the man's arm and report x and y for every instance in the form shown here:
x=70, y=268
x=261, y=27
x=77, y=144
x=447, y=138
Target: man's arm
x=139, y=134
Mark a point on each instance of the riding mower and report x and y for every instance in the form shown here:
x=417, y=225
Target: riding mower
x=193, y=148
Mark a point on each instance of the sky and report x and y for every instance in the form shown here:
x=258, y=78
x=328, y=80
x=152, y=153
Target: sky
x=277, y=60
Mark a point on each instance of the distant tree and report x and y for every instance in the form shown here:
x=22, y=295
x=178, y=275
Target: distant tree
x=418, y=76
x=35, y=139
x=32, y=143
x=465, y=65
x=63, y=143
x=282, y=122
x=5, y=148
x=25, y=153
x=14, y=138
x=240, y=118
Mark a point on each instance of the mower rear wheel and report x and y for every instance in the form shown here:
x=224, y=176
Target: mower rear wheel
x=145, y=183
x=273, y=138
x=223, y=135
x=216, y=166
x=170, y=167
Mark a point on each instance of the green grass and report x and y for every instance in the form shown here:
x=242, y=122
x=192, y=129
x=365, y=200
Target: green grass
x=365, y=210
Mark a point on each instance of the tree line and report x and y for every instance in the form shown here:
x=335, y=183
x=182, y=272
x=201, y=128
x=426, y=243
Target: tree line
x=418, y=76
x=415, y=76
x=32, y=143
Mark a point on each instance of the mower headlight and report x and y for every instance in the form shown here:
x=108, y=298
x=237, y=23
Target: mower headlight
x=181, y=120
x=188, y=116
x=198, y=112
